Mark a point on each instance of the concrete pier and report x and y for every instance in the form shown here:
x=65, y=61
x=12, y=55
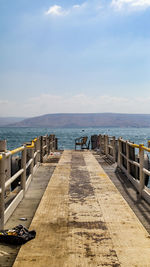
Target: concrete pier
x=28, y=206
x=83, y=220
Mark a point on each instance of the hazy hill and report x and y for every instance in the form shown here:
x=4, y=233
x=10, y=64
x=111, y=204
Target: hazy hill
x=8, y=120
x=86, y=120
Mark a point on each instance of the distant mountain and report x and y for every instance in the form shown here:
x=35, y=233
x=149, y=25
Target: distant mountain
x=8, y=120
x=86, y=120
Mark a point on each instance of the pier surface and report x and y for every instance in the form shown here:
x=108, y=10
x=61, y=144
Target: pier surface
x=83, y=220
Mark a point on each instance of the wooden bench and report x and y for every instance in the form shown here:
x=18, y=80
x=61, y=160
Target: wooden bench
x=82, y=142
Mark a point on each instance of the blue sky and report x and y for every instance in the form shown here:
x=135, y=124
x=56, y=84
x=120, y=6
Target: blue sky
x=74, y=56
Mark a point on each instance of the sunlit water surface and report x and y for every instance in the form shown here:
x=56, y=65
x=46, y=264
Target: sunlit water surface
x=17, y=136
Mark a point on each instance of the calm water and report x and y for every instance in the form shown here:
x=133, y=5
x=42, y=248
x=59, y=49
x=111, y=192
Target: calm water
x=17, y=136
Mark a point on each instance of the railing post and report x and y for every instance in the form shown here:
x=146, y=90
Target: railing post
x=106, y=144
x=35, y=150
x=142, y=182
x=56, y=143
x=127, y=155
x=103, y=144
x=50, y=144
x=97, y=143
x=114, y=148
x=53, y=143
x=100, y=142
x=47, y=143
x=2, y=187
x=37, y=147
x=119, y=163
x=41, y=149
x=43, y=144
x=23, y=166
x=32, y=163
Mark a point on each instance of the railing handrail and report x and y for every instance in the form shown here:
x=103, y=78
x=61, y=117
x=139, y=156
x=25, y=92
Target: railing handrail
x=12, y=152
x=36, y=150
x=146, y=148
x=120, y=152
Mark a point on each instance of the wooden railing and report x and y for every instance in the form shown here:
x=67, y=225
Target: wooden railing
x=30, y=155
x=131, y=158
x=108, y=146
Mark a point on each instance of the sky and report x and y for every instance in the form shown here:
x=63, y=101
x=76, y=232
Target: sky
x=74, y=56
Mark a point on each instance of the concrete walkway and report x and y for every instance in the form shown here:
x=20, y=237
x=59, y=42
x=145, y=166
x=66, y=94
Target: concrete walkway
x=27, y=207
x=83, y=220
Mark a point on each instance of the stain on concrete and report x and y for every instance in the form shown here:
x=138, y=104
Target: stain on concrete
x=92, y=234
x=96, y=238
x=88, y=225
x=80, y=187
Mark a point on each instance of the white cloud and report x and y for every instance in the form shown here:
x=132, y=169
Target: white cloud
x=48, y=103
x=144, y=3
x=76, y=6
x=119, y=4
x=56, y=11
x=83, y=5
x=96, y=5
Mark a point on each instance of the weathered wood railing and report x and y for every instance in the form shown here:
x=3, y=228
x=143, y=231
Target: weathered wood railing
x=135, y=166
x=108, y=146
x=131, y=158
x=31, y=154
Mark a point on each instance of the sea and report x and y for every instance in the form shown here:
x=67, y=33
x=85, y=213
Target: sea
x=16, y=136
